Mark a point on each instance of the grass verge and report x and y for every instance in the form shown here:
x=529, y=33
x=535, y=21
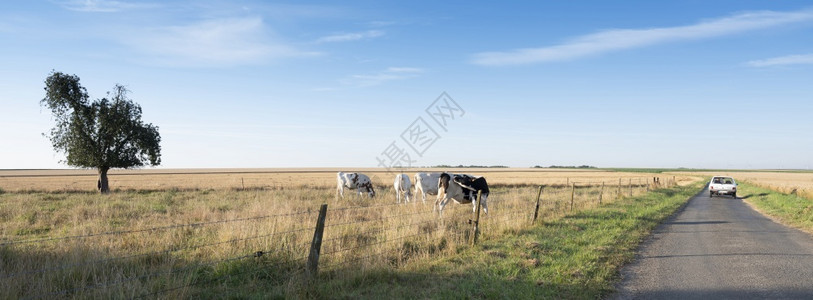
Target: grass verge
x=578, y=256
x=790, y=209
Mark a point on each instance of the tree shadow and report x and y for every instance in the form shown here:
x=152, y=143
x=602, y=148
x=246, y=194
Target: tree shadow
x=697, y=222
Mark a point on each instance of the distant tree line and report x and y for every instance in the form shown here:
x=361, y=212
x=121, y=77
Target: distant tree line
x=469, y=166
x=568, y=167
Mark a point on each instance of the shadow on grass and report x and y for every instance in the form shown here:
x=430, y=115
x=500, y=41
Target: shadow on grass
x=753, y=195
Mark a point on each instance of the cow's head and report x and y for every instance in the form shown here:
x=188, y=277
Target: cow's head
x=370, y=190
x=463, y=180
x=443, y=183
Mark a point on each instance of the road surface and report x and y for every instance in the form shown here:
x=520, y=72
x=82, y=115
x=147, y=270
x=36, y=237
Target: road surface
x=720, y=248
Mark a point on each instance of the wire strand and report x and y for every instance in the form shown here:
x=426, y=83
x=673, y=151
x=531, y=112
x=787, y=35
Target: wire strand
x=121, y=232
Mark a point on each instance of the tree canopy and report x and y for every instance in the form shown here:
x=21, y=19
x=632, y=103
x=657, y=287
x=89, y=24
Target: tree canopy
x=102, y=134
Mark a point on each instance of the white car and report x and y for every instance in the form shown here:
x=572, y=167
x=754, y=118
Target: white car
x=722, y=185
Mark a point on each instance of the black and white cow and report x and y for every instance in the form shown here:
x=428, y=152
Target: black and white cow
x=356, y=181
x=462, y=189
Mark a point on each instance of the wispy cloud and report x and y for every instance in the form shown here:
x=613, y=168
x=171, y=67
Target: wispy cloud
x=619, y=39
x=798, y=59
x=353, y=36
x=232, y=41
x=103, y=5
x=389, y=74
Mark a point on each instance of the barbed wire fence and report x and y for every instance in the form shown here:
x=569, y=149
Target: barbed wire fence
x=279, y=247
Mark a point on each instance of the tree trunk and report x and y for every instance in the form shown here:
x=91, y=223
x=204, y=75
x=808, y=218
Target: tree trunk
x=102, y=185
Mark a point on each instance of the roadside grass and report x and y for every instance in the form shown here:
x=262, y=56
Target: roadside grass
x=576, y=256
x=789, y=209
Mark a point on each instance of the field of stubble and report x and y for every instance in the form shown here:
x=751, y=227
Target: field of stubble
x=203, y=233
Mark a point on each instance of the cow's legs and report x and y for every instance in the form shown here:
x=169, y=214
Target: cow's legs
x=398, y=196
x=485, y=207
x=442, y=204
x=437, y=203
x=473, y=198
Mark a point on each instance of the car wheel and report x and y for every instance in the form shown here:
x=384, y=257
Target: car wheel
x=711, y=195
x=734, y=195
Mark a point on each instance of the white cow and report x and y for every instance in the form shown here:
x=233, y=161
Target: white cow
x=354, y=181
x=426, y=183
x=462, y=189
x=402, y=185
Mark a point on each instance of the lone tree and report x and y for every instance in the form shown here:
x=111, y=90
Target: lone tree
x=104, y=134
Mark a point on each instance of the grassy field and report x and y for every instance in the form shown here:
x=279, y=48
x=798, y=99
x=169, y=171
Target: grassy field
x=576, y=256
x=789, y=209
x=193, y=235
x=786, y=182
x=220, y=179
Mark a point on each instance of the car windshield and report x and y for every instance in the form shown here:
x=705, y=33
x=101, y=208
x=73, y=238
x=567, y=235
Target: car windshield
x=723, y=180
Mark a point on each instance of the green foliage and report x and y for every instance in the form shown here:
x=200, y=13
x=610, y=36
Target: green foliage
x=103, y=134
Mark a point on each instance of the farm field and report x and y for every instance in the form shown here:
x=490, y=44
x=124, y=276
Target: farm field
x=182, y=234
x=217, y=179
x=787, y=182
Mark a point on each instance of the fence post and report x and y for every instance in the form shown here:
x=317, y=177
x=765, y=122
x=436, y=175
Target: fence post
x=630, y=186
x=572, y=194
x=601, y=194
x=619, y=188
x=536, y=210
x=316, y=244
x=476, y=220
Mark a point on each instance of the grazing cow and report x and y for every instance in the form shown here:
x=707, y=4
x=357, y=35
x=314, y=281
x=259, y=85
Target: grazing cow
x=426, y=183
x=354, y=181
x=402, y=185
x=462, y=189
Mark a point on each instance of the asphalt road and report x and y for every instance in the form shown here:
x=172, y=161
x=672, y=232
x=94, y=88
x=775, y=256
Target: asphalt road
x=720, y=248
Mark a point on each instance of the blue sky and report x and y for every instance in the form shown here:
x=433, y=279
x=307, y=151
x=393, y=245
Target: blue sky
x=704, y=84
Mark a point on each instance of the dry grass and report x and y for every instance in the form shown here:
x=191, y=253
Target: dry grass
x=799, y=183
x=141, y=240
x=218, y=179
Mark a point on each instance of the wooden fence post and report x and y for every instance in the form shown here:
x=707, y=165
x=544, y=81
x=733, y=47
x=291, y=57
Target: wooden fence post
x=647, y=184
x=572, y=195
x=476, y=220
x=601, y=194
x=536, y=210
x=630, y=186
x=316, y=244
x=619, y=188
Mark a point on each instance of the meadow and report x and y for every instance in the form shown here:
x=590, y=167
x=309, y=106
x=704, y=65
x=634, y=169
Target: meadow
x=209, y=233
